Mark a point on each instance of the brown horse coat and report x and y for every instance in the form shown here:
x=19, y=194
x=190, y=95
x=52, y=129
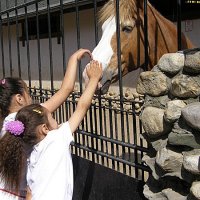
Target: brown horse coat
x=162, y=38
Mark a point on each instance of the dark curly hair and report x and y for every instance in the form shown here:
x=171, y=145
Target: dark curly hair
x=8, y=87
x=14, y=150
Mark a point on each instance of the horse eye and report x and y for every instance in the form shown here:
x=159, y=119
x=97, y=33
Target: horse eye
x=127, y=29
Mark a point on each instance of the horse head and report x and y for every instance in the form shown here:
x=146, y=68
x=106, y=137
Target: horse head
x=161, y=39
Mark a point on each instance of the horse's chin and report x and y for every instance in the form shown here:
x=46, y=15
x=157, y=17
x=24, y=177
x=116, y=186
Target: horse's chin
x=104, y=89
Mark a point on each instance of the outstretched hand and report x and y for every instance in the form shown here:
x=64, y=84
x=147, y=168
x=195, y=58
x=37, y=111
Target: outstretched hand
x=81, y=53
x=94, y=70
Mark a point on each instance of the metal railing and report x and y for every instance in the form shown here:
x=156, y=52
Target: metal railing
x=110, y=133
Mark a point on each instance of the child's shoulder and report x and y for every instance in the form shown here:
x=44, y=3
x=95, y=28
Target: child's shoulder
x=63, y=131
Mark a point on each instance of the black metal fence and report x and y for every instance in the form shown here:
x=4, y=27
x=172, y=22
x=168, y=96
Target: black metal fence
x=110, y=134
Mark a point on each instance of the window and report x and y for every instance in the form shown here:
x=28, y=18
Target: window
x=168, y=8
x=43, y=30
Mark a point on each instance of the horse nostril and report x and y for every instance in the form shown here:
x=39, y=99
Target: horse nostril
x=104, y=88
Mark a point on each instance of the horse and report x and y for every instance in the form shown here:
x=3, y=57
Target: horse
x=162, y=38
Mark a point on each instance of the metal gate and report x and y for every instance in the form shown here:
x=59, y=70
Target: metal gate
x=35, y=46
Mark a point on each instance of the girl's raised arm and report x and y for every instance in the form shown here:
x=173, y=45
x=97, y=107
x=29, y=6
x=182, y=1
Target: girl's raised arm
x=68, y=82
x=94, y=72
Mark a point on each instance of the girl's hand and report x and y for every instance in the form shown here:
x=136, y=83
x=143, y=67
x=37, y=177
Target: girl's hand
x=28, y=194
x=81, y=53
x=94, y=70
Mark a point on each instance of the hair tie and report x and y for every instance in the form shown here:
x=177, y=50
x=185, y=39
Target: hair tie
x=3, y=81
x=15, y=127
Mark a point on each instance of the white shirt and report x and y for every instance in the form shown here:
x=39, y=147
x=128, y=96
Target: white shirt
x=10, y=117
x=50, y=169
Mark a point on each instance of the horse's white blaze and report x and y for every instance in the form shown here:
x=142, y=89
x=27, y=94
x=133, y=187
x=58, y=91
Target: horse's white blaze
x=103, y=51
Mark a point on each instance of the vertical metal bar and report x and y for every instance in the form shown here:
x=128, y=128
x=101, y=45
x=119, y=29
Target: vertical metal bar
x=106, y=134
x=141, y=131
x=2, y=46
x=67, y=104
x=86, y=128
x=96, y=42
x=79, y=67
x=95, y=22
x=91, y=130
x=38, y=46
x=76, y=133
x=78, y=43
x=99, y=96
x=62, y=34
x=116, y=151
x=96, y=127
x=146, y=63
x=50, y=45
x=179, y=24
x=9, y=39
x=27, y=45
x=119, y=49
x=120, y=74
x=100, y=122
x=135, y=135
x=85, y=143
x=17, y=38
x=111, y=130
x=128, y=138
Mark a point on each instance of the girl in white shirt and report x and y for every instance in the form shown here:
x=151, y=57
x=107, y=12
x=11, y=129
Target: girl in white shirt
x=14, y=95
x=35, y=137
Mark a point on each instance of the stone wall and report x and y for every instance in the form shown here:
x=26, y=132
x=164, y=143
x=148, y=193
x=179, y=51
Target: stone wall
x=171, y=122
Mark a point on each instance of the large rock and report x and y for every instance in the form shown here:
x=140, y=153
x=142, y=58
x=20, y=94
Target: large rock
x=171, y=194
x=152, y=83
x=185, y=86
x=171, y=63
x=191, y=161
x=192, y=62
x=173, y=110
x=159, y=102
x=169, y=161
x=183, y=135
x=153, y=122
x=191, y=115
x=195, y=189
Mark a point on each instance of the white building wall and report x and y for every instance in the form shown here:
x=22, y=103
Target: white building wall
x=87, y=40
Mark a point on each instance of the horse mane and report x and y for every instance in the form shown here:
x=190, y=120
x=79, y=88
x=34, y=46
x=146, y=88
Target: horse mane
x=126, y=10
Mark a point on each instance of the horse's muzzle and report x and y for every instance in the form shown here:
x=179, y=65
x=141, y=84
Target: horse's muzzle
x=104, y=88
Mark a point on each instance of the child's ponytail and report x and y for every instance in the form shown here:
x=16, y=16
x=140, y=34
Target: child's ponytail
x=13, y=161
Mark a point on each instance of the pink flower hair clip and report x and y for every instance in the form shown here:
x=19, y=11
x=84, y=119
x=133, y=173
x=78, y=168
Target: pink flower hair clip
x=15, y=127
